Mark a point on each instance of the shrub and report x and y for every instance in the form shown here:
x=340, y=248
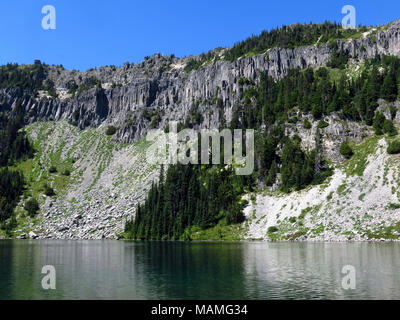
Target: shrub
x=323, y=124
x=49, y=191
x=53, y=169
x=394, y=147
x=307, y=124
x=393, y=112
x=293, y=120
x=389, y=128
x=346, y=150
x=272, y=229
x=32, y=207
x=394, y=206
x=111, y=130
x=67, y=173
x=244, y=203
x=378, y=123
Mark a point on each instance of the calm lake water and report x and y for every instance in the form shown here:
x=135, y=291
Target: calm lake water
x=157, y=270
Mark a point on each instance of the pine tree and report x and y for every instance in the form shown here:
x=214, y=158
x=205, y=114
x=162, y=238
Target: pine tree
x=389, y=88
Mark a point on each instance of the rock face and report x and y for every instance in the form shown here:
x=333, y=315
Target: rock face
x=130, y=97
x=109, y=179
x=347, y=207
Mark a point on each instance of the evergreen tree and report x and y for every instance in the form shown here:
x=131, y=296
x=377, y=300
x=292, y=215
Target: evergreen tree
x=389, y=87
x=378, y=123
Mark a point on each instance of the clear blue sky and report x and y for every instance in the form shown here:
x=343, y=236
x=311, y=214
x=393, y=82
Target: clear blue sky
x=92, y=33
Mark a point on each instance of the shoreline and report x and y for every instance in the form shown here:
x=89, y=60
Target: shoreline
x=216, y=241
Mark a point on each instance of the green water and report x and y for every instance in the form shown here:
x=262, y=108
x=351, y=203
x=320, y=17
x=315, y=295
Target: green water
x=157, y=270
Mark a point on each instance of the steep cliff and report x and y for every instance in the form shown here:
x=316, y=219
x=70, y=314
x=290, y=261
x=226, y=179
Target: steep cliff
x=110, y=175
x=157, y=90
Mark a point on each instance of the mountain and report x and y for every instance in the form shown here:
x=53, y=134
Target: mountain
x=88, y=131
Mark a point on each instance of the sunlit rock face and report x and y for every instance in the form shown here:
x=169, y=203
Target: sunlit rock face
x=130, y=96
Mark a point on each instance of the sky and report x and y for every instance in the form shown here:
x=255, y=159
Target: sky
x=92, y=33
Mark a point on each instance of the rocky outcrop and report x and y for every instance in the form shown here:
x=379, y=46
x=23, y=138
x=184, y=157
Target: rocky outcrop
x=130, y=97
x=109, y=179
x=348, y=207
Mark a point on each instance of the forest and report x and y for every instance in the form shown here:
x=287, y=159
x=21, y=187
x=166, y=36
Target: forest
x=189, y=195
x=292, y=36
x=204, y=196
x=14, y=146
x=28, y=78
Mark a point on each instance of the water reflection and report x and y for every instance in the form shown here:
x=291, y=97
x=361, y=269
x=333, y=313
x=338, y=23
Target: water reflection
x=313, y=270
x=169, y=270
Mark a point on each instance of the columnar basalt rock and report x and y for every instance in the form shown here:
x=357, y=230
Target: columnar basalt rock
x=107, y=185
x=160, y=85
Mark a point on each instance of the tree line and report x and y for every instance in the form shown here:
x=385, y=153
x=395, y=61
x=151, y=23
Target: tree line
x=290, y=37
x=316, y=92
x=14, y=146
x=204, y=195
x=189, y=195
x=28, y=78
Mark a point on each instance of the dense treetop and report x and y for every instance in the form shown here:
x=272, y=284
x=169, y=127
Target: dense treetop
x=290, y=37
x=204, y=196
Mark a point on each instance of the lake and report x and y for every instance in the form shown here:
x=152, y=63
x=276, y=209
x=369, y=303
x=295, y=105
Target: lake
x=198, y=270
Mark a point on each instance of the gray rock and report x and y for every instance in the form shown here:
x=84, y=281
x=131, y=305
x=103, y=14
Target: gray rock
x=33, y=235
x=161, y=84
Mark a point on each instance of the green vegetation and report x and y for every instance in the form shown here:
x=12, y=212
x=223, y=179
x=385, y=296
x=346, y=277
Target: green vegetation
x=273, y=229
x=89, y=84
x=220, y=232
x=358, y=162
x=189, y=196
x=346, y=150
x=53, y=169
x=323, y=124
x=388, y=127
x=394, y=206
x=48, y=191
x=13, y=143
x=193, y=64
x=383, y=125
x=384, y=232
x=11, y=188
x=14, y=146
x=290, y=37
x=339, y=58
x=313, y=91
x=29, y=78
x=111, y=130
x=394, y=147
x=270, y=104
x=204, y=58
x=341, y=188
x=194, y=202
x=32, y=207
x=297, y=166
x=307, y=124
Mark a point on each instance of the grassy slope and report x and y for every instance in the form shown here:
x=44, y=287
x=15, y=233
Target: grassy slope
x=91, y=157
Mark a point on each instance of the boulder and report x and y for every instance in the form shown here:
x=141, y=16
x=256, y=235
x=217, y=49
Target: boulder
x=33, y=235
